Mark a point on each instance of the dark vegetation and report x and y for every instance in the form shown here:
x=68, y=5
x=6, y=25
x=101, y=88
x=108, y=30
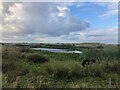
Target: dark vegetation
x=36, y=58
x=69, y=46
x=25, y=68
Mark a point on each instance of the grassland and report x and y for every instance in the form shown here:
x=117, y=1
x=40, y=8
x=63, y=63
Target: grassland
x=25, y=68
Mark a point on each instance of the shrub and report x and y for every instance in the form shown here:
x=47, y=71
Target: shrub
x=73, y=70
x=95, y=71
x=36, y=58
x=21, y=72
x=65, y=70
x=58, y=70
x=8, y=66
x=26, y=49
x=61, y=73
x=112, y=66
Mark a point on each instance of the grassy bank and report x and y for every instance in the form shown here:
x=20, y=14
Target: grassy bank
x=26, y=68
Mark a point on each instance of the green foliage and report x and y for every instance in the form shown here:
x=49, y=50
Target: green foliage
x=101, y=54
x=61, y=56
x=112, y=66
x=8, y=65
x=73, y=70
x=72, y=47
x=36, y=58
x=60, y=70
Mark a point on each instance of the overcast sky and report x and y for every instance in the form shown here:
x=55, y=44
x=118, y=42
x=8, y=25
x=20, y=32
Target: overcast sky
x=60, y=22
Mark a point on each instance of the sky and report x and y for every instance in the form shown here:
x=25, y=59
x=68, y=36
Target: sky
x=55, y=22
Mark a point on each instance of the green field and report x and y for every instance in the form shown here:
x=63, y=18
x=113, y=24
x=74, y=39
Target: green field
x=26, y=68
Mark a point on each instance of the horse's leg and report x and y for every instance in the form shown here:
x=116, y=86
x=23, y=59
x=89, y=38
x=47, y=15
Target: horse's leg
x=83, y=64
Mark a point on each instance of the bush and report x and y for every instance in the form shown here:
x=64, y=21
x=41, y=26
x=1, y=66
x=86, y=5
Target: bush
x=61, y=73
x=95, y=71
x=25, y=49
x=65, y=70
x=58, y=70
x=36, y=58
x=73, y=70
x=8, y=66
x=112, y=66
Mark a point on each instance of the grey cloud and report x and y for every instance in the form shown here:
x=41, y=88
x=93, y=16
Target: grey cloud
x=99, y=35
x=45, y=22
x=42, y=18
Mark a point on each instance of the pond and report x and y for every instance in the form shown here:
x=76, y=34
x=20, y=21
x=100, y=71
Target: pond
x=57, y=50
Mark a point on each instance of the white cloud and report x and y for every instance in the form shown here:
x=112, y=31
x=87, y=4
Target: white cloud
x=112, y=9
x=62, y=11
x=61, y=1
x=101, y=35
x=49, y=22
x=110, y=13
x=96, y=35
x=22, y=19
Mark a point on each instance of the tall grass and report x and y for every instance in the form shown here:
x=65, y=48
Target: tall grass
x=72, y=70
x=101, y=54
x=61, y=67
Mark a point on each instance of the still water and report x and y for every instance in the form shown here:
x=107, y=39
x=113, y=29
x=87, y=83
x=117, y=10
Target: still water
x=57, y=50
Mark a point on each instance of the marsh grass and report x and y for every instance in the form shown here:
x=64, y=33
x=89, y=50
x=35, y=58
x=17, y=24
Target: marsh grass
x=101, y=54
x=59, y=69
x=73, y=70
